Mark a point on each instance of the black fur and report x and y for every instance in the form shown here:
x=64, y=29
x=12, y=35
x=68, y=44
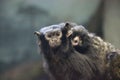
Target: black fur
x=85, y=41
x=113, y=71
x=65, y=63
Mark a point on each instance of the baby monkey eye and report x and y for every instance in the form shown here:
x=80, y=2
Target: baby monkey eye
x=76, y=41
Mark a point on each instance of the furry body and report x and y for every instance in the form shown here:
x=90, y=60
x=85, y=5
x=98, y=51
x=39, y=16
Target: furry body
x=82, y=62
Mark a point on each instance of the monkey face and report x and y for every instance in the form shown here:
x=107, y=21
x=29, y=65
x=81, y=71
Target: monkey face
x=80, y=39
x=54, y=35
x=77, y=35
x=54, y=38
x=76, y=41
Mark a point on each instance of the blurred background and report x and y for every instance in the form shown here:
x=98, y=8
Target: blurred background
x=19, y=54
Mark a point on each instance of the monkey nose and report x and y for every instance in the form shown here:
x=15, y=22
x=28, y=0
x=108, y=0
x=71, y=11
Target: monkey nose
x=54, y=40
x=54, y=43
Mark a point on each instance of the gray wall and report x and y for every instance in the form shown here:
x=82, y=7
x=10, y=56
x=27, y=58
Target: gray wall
x=112, y=22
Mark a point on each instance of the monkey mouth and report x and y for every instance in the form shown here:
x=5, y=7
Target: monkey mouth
x=55, y=44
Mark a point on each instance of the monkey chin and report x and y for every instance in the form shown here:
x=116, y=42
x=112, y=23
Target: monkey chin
x=54, y=44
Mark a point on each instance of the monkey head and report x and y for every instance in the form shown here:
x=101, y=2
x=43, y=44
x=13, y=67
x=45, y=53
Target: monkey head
x=54, y=37
x=79, y=38
x=53, y=34
x=78, y=33
x=76, y=41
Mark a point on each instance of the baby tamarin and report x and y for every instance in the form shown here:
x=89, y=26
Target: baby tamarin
x=83, y=42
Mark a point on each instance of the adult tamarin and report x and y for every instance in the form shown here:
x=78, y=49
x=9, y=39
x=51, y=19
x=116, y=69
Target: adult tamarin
x=63, y=60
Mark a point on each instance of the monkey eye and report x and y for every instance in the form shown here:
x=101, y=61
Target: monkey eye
x=49, y=35
x=58, y=34
x=75, y=41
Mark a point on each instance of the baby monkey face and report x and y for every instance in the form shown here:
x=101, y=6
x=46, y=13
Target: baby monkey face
x=76, y=40
x=54, y=38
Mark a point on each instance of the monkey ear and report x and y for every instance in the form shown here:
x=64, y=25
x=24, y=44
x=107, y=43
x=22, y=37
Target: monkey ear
x=112, y=55
x=69, y=33
x=37, y=33
x=68, y=27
